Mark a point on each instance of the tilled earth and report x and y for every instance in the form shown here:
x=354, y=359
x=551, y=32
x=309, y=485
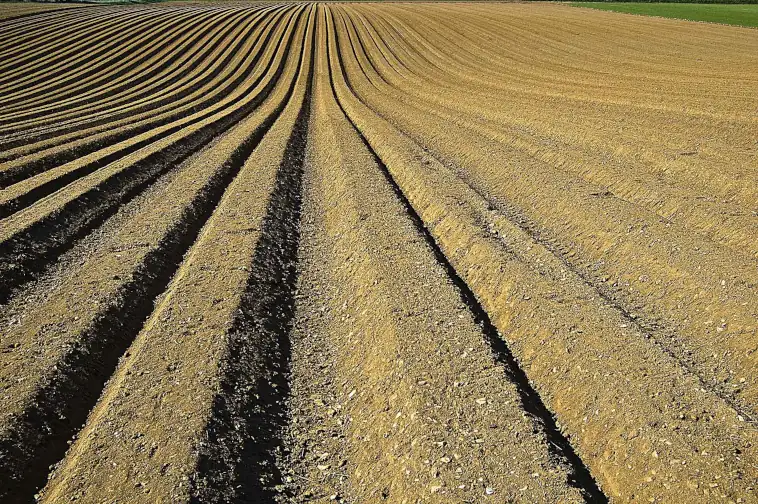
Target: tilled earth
x=263, y=252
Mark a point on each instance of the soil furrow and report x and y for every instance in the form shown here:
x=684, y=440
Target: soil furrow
x=49, y=233
x=244, y=433
x=399, y=359
x=62, y=43
x=151, y=63
x=530, y=398
x=565, y=342
x=190, y=53
x=684, y=206
x=81, y=87
x=500, y=99
x=28, y=28
x=173, y=468
x=661, y=266
x=652, y=328
x=153, y=117
x=376, y=252
x=108, y=63
x=23, y=11
x=62, y=403
x=33, y=40
x=162, y=122
x=107, y=36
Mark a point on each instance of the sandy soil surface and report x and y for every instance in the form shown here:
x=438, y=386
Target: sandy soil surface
x=256, y=252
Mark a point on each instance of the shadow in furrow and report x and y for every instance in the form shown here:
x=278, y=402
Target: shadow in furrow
x=11, y=176
x=40, y=437
x=53, y=102
x=656, y=330
x=101, y=36
x=49, y=161
x=26, y=15
x=31, y=251
x=238, y=461
x=580, y=476
x=146, y=32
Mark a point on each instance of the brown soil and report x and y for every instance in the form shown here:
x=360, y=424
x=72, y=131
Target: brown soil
x=256, y=252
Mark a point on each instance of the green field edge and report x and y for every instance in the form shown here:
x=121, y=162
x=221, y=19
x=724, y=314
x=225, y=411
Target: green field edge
x=745, y=15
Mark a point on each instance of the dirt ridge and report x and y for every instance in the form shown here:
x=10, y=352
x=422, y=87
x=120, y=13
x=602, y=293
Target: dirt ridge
x=581, y=476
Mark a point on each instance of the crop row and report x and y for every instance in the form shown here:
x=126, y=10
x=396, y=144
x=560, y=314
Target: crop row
x=266, y=252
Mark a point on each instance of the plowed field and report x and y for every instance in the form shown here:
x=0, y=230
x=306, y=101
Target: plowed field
x=259, y=252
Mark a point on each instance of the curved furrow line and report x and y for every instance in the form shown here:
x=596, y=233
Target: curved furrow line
x=728, y=180
x=98, y=63
x=97, y=151
x=395, y=349
x=489, y=66
x=20, y=13
x=114, y=72
x=184, y=91
x=23, y=24
x=111, y=314
x=387, y=50
x=36, y=236
x=154, y=68
x=719, y=222
x=230, y=60
x=85, y=22
x=554, y=48
x=43, y=25
x=244, y=430
x=15, y=46
x=505, y=271
x=476, y=71
x=47, y=61
x=166, y=47
x=530, y=398
x=454, y=252
x=519, y=42
x=673, y=84
x=599, y=228
x=534, y=44
x=646, y=327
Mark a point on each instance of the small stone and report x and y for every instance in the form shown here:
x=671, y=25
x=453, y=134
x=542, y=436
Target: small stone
x=481, y=400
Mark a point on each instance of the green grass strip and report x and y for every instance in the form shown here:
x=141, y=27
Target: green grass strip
x=733, y=14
